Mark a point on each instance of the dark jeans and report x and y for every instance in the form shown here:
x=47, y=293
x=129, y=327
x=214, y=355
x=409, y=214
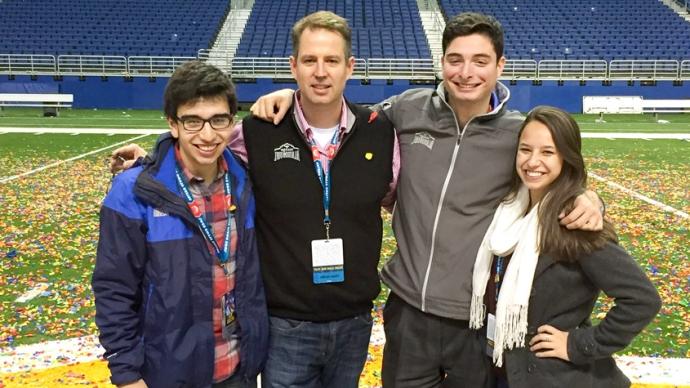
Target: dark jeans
x=235, y=382
x=316, y=354
x=424, y=350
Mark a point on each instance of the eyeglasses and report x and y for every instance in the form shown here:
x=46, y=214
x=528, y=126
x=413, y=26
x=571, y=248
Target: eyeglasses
x=196, y=123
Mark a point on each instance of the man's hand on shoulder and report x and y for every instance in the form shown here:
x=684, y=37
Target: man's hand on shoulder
x=124, y=157
x=273, y=106
x=587, y=213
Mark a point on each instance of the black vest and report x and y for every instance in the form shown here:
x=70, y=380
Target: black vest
x=289, y=214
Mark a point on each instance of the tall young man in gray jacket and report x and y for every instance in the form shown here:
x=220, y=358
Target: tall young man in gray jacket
x=457, y=152
x=457, y=148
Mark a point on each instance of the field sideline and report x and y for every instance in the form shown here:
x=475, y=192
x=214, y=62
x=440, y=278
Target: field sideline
x=643, y=181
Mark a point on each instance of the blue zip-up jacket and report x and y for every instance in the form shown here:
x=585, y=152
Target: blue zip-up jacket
x=153, y=280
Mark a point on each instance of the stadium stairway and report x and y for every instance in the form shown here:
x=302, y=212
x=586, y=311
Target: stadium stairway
x=433, y=23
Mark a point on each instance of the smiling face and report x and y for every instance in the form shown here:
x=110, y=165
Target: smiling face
x=321, y=68
x=538, y=162
x=200, y=150
x=471, y=70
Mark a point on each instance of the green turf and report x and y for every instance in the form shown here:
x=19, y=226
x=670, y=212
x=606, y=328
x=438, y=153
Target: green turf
x=153, y=119
x=26, y=151
x=85, y=118
x=676, y=123
x=50, y=221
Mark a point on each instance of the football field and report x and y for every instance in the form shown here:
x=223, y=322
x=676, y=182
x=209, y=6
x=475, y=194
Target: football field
x=52, y=184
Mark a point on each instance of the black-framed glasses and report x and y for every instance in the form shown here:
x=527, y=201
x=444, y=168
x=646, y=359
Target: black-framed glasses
x=196, y=123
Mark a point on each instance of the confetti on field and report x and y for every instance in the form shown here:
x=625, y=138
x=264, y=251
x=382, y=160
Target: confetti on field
x=49, y=224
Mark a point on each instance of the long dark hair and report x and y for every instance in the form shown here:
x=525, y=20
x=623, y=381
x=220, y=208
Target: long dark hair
x=555, y=240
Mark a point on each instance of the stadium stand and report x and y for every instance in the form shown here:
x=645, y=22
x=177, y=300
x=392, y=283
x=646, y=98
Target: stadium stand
x=110, y=27
x=380, y=28
x=585, y=29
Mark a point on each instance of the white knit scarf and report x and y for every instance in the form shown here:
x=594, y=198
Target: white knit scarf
x=510, y=231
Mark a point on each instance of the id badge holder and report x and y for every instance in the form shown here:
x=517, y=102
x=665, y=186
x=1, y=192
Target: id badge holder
x=490, y=334
x=327, y=261
x=229, y=318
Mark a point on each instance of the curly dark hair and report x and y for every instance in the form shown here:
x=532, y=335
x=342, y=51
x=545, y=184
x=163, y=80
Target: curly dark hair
x=194, y=80
x=468, y=23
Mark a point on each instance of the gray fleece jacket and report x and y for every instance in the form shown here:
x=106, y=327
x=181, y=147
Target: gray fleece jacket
x=451, y=181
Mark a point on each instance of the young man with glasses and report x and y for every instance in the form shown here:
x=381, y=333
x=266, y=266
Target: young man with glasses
x=179, y=294
x=319, y=228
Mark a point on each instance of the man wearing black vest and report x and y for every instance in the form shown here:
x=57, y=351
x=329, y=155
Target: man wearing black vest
x=320, y=178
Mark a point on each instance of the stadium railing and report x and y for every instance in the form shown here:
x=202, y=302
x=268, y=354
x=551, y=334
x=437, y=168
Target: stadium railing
x=685, y=70
x=644, y=69
x=154, y=66
x=371, y=68
x=572, y=69
x=91, y=64
x=412, y=69
x=520, y=68
x=28, y=64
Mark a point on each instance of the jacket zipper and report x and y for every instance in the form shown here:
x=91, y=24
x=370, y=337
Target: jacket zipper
x=446, y=182
x=146, y=310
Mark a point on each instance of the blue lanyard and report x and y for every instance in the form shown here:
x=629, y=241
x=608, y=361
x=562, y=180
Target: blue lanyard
x=222, y=254
x=325, y=177
x=497, y=279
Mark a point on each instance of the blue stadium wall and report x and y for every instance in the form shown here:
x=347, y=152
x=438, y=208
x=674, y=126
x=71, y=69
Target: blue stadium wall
x=145, y=93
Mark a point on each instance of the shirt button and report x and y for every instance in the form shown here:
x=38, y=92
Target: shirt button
x=531, y=368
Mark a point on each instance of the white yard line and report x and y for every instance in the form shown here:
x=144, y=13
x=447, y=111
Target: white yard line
x=642, y=197
x=134, y=131
x=59, y=162
x=99, y=131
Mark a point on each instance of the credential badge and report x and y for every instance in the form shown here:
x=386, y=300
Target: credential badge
x=424, y=138
x=286, y=151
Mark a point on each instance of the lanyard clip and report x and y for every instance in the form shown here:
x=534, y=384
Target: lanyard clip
x=327, y=224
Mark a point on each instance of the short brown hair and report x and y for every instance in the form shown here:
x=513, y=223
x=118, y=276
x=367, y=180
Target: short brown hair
x=194, y=80
x=326, y=20
x=469, y=23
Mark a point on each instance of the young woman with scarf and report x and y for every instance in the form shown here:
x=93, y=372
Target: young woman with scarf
x=535, y=283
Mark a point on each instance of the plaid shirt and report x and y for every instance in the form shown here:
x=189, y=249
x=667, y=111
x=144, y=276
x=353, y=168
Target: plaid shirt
x=213, y=207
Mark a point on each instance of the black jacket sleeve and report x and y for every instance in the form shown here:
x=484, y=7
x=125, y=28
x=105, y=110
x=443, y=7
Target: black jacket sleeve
x=613, y=271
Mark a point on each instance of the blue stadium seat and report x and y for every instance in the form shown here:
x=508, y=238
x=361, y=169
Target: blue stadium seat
x=603, y=29
x=111, y=27
x=385, y=28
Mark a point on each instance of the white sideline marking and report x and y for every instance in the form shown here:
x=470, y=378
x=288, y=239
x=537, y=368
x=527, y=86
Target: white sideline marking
x=652, y=370
x=49, y=354
x=641, y=196
x=59, y=162
x=635, y=135
x=98, y=131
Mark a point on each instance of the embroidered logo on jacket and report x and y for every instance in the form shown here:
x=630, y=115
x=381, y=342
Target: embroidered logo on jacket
x=286, y=151
x=425, y=139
